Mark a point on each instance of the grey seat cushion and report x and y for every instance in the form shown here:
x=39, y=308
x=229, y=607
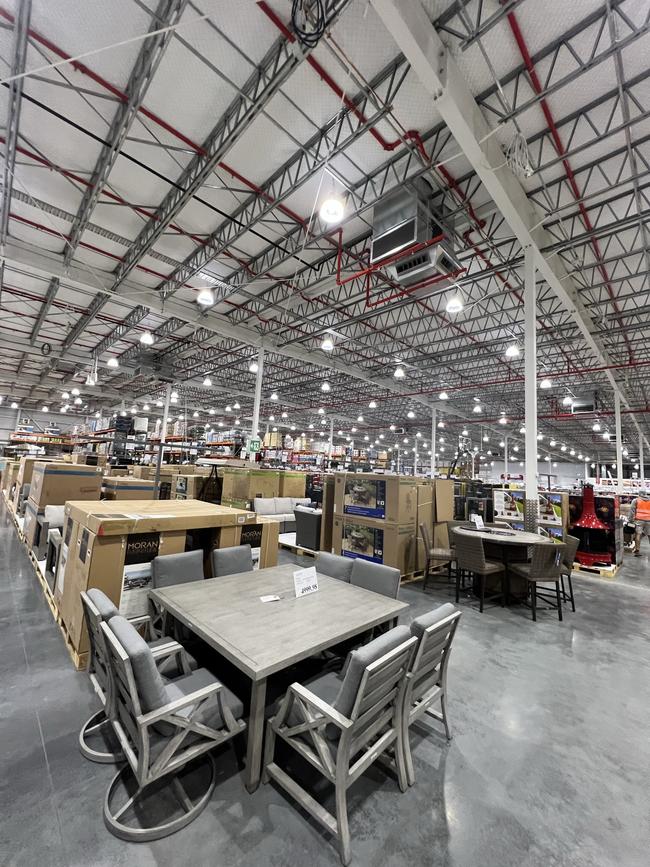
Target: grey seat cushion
x=334, y=565
x=424, y=621
x=170, y=569
x=264, y=506
x=230, y=561
x=360, y=659
x=102, y=603
x=149, y=683
x=376, y=577
x=210, y=714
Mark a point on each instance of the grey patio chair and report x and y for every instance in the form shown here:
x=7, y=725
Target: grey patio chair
x=470, y=557
x=162, y=728
x=568, y=558
x=434, y=555
x=544, y=568
x=427, y=679
x=97, y=608
x=334, y=565
x=166, y=571
x=341, y=728
x=230, y=561
x=22, y=501
x=376, y=577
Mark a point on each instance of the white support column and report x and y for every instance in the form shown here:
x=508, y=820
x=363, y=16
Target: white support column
x=257, y=401
x=398, y=460
x=586, y=470
x=619, y=443
x=505, y=460
x=163, y=437
x=434, y=426
x=641, y=469
x=415, y=456
x=530, y=383
x=331, y=448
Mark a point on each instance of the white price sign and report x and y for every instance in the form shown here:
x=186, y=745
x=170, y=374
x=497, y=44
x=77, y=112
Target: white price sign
x=477, y=520
x=305, y=581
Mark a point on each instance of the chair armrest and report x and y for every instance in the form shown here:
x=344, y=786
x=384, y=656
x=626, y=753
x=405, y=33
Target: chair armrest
x=321, y=706
x=142, y=620
x=167, y=710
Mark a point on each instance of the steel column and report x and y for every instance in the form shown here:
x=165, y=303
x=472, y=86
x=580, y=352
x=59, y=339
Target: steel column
x=641, y=468
x=257, y=400
x=434, y=425
x=619, y=444
x=531, y=509
x=331, y=439
x=163, y=437
x=505, y=459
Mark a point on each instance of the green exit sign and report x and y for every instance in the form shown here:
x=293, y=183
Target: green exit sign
x=254, y=445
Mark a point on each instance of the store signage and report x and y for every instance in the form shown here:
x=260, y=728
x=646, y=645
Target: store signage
x=477, y=520
x=254, y=445
x=141, y=548
x=305, y=581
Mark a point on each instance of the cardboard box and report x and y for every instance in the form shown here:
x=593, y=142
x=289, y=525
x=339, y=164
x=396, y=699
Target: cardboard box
x=444, y=500
x=376, y=540
x=189, y=486
x=90, y=459
x=56, y=482
x=242, y=484
x=126, y=488
x=293, y=484
x=370, y=495
x=9, y=477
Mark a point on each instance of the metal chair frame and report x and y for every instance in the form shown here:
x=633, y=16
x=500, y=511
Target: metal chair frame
x=442, y=555
x=373, y=727
x=134, y=732
x=470, y=557
x=544, y=572
x=429, y=667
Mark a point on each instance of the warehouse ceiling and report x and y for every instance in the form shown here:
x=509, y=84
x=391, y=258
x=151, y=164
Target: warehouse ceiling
x=155, y=148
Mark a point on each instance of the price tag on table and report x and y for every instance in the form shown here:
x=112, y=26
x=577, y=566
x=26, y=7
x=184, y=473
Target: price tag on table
x=477, y=520
x=305, y=581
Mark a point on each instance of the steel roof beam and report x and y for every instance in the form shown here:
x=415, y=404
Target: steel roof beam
x=52, y=289
x=153, y=47
x=135, y=316
x=275, y=68
x=20, y=41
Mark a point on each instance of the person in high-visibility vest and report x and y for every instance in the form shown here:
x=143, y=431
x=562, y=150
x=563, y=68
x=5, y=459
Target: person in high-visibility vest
x=640, y=516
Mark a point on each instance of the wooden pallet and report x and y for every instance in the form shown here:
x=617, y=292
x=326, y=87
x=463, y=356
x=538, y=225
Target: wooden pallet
x=296, y=549
x=608, y=572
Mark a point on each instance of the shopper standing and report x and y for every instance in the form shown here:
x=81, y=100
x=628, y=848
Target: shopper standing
x=640, y=516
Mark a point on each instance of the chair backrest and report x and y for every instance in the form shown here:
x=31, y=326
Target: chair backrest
x=426, y=537
x=569, y=554
x=99, y=663
x=334, y=565
x=435, y=632
x=24, y=492
x=230, y=561
x=469, y=552
x=376, y=577
x=546, y=562
x=170, y=569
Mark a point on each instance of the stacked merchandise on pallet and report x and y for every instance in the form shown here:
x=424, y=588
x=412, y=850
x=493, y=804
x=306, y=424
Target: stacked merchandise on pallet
x=241, y=486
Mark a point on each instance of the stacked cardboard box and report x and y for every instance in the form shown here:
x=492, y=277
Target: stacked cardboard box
x=55, y=483
x=105, y=548
x=292, y=484
x=8, y=478
x=90, y=459
x=188, y=487
x=24, y=475
x=126, y=488
x=375, y=518
x=241, y=486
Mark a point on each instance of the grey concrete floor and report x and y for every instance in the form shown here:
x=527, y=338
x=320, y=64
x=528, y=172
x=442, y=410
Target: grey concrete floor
x=549, y=764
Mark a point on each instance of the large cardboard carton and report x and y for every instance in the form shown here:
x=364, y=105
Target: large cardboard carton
x=370, y=495
x=243, y=484
x=188, y=487
x=126, y=488
x=376, y=540
x=90, y=459
x=293, y=484
x=444, y=500
x=56, y=482
x=9, y=477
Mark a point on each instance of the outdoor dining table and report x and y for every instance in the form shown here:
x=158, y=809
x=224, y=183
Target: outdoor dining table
x=263, y=638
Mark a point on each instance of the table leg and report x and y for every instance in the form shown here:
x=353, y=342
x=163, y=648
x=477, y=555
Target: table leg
x=256, y=721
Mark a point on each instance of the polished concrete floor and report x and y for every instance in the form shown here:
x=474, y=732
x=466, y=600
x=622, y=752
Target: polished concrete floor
x=549, y=765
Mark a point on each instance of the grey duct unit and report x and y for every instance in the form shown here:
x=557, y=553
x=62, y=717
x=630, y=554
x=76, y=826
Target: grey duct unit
x=403, y=219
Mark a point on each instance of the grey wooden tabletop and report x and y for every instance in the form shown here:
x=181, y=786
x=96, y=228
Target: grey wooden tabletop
x=507, y=537
x=261, y=638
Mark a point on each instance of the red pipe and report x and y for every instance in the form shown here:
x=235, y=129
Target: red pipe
x=561, y=152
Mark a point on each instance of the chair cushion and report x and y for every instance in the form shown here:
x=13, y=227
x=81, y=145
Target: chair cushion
x=210, y=714
x=102, y=603
x=264, y=505
x=299, y=501
x=424, y=621
x=334, y=565
x=376, y=577
x=170, y=569
x=360, y=659
x=54, y=515
x=283, y=506
x=441, y=553
x=149, y=683
x=230, y=561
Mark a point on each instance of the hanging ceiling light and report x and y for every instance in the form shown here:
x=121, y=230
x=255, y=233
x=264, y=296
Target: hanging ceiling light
x=45, y=409
x=477, y=407
x=78, y=401
x=63, y=409
x=551, y=443
x=464, y=433
x=253, y=367
x=567, y=400
x=207, y=382
x=328, y=344
x=195, y=414
x=443, y=396
x=572, y=452
x=325, y=386
x=321, y=411
x=147, y=338
x=236, y=405
x=546, y=383
x=75, y=391
x=503, y=420
x=595, y=426
x=399, y=372
x=205, y=297
x=372, y=404
x=513, y=351
x=228, y=408
x=606, y=435
x=332, y=209
x=410, y=414
x=146, y=407
x=360, y=418
x=274, y=396
x=562, y=448
x=522, y=430
x=454, y=304
x=112, y=362
x=271, y=418
x=441, y=424
x=285, y=415
x=65, y=395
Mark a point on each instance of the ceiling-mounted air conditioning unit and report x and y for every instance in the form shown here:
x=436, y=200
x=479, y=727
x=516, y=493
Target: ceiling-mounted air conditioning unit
x=403, y=219
x=584, y=403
